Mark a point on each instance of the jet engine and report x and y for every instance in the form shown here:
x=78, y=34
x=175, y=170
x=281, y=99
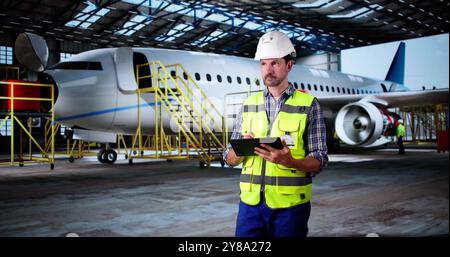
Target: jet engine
x=362, y=123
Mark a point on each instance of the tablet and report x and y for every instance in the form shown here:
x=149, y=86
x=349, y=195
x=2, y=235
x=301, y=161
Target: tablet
x=246, y=146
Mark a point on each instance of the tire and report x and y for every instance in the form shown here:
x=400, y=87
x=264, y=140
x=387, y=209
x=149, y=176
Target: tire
x=110, y=156
x=71, y=159
x=100, y=155
x=52, y=166
x=130, y=161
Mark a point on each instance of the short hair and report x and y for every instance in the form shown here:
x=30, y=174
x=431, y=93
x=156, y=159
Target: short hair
x=288, y=58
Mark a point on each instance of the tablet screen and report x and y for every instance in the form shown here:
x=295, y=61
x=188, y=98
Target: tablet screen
x=246, y=146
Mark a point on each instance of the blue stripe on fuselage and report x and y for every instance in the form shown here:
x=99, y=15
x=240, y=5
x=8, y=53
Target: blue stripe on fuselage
x=89, y=114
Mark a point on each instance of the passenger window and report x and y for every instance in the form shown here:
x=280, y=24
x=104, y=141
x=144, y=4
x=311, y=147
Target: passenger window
x=229, y=79
x=173, y=74
x=321, y=88
x=315, y=87
x=185, y=76
x=327, y=88
x=332, y=89
x=208, y=77
x=248, y=80
x=295, y=85
x=348, y=90
x=219, y=78
x=257, y=82
x=197, y=76
x=353, y=91
x=302, y=85
x=239, y=81
x=309, y=87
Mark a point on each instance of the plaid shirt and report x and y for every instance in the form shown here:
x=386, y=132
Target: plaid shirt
x=316, y=131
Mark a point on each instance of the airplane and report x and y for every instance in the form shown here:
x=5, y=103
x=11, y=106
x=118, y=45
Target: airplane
x=96, y=90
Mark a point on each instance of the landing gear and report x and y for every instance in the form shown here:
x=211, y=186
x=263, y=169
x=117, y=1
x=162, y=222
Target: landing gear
x=71, y=159
x=222, y=163
x=110, y=156
x=107, y=156
x=100, y=155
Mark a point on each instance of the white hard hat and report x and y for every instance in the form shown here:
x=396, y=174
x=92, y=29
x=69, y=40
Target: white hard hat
x=274, y=44
x=400, y=121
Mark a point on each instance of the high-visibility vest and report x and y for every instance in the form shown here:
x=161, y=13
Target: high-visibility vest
x=400, y=130
x=283, y=187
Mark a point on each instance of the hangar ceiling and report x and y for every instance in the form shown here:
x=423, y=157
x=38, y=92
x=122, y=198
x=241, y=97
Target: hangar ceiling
x=225, y=26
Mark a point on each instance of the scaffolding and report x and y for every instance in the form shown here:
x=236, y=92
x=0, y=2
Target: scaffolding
x=9, y=102
x=424, y=122
x=74, y=148
x=9, y=72
x=172, y=92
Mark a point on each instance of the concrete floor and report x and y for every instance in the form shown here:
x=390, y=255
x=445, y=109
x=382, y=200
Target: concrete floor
x=360, y=192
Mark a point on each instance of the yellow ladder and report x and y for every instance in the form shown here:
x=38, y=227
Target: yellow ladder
x=173, y=91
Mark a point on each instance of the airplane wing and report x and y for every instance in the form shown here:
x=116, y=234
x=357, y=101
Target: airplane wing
x=389, y=99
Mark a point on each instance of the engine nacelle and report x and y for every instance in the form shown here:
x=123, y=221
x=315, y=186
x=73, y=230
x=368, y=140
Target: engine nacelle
x=361, y=123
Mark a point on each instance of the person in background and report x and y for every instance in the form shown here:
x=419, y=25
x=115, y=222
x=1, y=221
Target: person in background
x=400, y=135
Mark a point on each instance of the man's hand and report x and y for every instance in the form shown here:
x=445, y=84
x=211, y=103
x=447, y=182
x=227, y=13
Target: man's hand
x=232, y=158
x=283, y=156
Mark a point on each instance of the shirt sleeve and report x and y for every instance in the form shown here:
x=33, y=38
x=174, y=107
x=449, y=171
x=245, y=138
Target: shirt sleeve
x=235, y=135
x=316, y=135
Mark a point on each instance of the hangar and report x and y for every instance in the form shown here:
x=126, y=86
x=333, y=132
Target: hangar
x=37, y=128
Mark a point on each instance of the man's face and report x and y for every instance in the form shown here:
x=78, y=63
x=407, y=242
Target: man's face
x=275, y=71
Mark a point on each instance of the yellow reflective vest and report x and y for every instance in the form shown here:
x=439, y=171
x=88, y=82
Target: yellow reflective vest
x=283, y=187
x=400, y=130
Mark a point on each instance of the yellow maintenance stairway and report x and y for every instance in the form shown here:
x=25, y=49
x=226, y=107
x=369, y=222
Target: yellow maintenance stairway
x=200, y=128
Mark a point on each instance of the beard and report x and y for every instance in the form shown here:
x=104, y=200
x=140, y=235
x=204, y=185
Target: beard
x=272, y=81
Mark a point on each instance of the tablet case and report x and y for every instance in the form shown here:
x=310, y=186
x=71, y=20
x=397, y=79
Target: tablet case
x=246, y=146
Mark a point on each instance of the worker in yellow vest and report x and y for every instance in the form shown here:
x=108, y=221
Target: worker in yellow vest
x=400, y=135
x=276, y=185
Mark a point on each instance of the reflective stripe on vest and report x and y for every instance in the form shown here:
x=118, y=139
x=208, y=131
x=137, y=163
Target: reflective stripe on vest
x=284, y=187
x=280, y=181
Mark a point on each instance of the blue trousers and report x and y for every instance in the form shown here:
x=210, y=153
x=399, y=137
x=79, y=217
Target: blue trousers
x=261, y=221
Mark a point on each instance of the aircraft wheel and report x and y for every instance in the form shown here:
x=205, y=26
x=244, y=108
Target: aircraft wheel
x=222, y=163
x=110, y=156
x=71, y=159
x=130, y=161
x=100, y=155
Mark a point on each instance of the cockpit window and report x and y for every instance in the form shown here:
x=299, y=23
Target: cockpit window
x=77, y=66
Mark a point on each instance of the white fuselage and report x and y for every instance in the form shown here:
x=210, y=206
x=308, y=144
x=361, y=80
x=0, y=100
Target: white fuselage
x=105, y=100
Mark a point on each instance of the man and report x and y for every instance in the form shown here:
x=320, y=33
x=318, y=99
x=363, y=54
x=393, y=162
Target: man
x=276, y=184
x=400, y=135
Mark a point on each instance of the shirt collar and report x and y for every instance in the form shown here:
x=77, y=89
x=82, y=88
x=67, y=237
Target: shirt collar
x=289, y=91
